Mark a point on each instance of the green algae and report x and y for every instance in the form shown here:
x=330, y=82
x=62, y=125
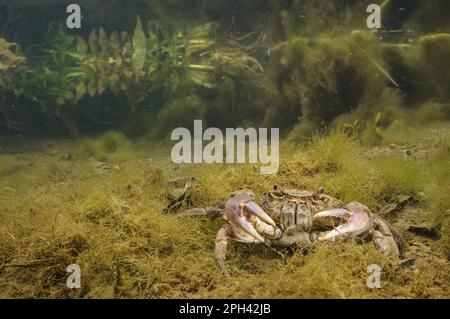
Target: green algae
x=363, y=114
x=112, y=224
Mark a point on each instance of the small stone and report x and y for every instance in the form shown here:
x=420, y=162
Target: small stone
x=407, y=262
x=421, y=196
x=424, y=231
x=391, y=209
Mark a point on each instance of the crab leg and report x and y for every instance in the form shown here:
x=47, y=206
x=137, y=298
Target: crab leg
x=209, y=212
x=273, y=232
x=222, y=237
x=354, y=217
x=221, y=249
x=386, y=238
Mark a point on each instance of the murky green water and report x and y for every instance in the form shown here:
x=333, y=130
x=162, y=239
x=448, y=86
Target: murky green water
x=145, y=67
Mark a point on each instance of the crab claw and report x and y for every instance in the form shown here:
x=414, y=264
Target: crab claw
x=234, y=214
x=354, y=216
x=237, y=209
x=257, y=211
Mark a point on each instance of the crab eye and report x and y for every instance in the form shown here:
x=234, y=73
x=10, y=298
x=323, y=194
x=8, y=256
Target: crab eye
x=276, y=195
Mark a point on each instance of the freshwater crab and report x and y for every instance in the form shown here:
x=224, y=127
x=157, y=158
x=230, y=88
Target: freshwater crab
x=290, y=217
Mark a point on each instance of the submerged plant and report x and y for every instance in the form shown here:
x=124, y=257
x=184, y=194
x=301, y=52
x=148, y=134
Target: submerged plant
x=10, y=61
x=139, y=63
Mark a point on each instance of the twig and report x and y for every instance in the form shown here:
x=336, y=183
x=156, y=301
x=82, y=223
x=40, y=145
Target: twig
x=11, y=235
x=33, y=263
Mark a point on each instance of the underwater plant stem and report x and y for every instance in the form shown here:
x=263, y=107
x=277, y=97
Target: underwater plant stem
x=200, y=67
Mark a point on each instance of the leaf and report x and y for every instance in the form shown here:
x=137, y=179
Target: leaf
x=204, y=30
x=127, y=73
x=115, y=41
x=68, y=95
x=118, y=62
x=114, y=83
x=77, y=55
x=101, y=66
x=139, y=47
x=127, y=51
x=82, y=46
x=201, y=78
x=76, y=75
x=377, y=118
x=93, y=42
x=92, y=88
x=198, y=47
x=80, y=91
x=153, y=67
x=124, y=37
x=102, y=40
x=101, y=87
x=60, y=101
x=199, y=67
x=153, y=41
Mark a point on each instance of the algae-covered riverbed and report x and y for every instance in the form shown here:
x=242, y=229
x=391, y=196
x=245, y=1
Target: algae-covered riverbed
x=105, y=106
x=61, y=207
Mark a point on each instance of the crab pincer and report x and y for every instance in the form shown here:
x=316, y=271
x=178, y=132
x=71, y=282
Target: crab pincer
x=353, y=219
x=238, y=212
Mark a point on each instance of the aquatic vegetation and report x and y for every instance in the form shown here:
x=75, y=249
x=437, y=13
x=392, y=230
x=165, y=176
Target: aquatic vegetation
x=386, y=121
x=436, y=53
x=437, y=188
x=334, y=76
x=111, y=223
x=180, y=113
x=113, y=62
x=323, y=71
x=11, y=63
x=338, y=165
x=303, y=71
x=9, y=59
x=149, y=66
x=431, y=112
x=109, y=146
x=370, y=120
x=111, y=141
x=362, y=114
x=129, y=63
x=313, y=275
x=401, y=174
